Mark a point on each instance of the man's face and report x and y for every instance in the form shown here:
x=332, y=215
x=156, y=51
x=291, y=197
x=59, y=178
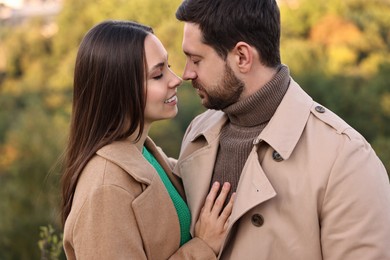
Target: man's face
x=215, y=81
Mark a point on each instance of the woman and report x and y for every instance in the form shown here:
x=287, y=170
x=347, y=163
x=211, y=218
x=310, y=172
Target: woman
x=120, y=198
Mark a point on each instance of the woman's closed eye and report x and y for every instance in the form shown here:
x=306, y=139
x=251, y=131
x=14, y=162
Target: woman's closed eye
x=158, y=76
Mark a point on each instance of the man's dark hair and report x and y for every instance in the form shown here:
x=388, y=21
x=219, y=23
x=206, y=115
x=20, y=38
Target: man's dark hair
x=226, y=22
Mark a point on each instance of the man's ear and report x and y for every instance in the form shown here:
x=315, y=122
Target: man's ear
x=243, y=56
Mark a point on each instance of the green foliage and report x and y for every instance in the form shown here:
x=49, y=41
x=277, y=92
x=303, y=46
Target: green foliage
x=29, y=182
x=351, y=36
x=50, y=243
x=381, y=145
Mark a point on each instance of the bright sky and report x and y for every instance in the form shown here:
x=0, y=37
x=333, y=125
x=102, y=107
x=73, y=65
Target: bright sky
x=12, y=3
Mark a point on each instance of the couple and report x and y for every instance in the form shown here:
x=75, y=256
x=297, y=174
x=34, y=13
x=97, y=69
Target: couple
x=267, y=172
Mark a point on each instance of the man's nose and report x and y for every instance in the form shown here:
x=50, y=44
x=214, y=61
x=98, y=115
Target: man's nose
x=188, y=73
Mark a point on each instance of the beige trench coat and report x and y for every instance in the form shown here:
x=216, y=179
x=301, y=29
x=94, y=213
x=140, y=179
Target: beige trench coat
x=312, y=188
x=122, y=210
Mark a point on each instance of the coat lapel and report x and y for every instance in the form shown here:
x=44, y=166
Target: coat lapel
x=197, y=171
x=253, y=188
x=196, y=162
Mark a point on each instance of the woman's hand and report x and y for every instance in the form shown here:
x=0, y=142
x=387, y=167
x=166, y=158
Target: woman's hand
x=212, y=224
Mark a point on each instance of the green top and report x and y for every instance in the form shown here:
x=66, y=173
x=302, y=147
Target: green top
x=183, y=212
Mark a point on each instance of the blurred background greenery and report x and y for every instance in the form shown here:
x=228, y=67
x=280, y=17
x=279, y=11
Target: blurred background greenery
x=339, y=51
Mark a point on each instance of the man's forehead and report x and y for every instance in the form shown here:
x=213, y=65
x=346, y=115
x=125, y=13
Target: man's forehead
x=192, y=38
x=192, y=28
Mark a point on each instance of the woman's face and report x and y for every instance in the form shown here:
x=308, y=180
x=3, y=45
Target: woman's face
x=161, y=82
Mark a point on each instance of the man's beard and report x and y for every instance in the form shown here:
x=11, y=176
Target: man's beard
x=222, y=95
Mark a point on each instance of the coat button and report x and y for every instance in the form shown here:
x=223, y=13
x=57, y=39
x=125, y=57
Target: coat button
x=276, y=156
x=257, y=220
x=320, y=109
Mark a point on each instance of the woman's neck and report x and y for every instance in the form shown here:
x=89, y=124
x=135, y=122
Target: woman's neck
x=140, y=143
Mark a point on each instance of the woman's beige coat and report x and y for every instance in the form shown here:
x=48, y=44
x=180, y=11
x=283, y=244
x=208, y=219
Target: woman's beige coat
x=122, y=210
x=312, y=188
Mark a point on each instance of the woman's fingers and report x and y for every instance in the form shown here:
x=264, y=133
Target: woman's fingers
x=220, y=201
x=208, y=205
x=213, y=220
x=228, y=209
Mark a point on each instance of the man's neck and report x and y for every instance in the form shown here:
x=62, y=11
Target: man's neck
x=257, y=78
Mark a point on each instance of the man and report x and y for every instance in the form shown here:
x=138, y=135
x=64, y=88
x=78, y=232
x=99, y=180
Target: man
x=308, y=186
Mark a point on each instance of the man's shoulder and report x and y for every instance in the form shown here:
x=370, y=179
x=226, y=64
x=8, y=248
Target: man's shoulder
x=208, y=115
x=333, y=122
x=207, y=124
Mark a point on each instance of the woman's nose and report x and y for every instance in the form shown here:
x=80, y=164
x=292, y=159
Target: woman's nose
x=176, y=80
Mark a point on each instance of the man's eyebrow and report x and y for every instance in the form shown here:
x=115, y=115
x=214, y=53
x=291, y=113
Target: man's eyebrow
x=188, y=54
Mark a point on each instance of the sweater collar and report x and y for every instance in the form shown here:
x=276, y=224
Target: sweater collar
x=281, y=133
x=260, y=106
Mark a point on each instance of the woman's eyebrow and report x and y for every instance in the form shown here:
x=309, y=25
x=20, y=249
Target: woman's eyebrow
x=157, y=66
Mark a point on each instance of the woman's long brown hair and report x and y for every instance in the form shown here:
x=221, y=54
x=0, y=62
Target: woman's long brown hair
x=108, y=96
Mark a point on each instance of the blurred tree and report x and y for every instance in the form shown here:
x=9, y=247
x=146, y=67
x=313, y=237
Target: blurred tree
x=352, y=36
x=382, y=147
x=28, y=191
x=50, y=243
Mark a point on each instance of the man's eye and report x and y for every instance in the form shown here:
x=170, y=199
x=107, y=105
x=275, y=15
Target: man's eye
x=195, y=62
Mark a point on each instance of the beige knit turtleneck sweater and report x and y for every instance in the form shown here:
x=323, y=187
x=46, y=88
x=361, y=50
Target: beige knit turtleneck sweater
x=247, y=118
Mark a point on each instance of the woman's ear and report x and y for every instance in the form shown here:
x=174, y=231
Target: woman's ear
x=243, y=56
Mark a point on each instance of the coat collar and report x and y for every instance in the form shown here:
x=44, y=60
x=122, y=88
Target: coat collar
x=281, y=133
x=211, y=128
x=286, y=126
x=127, y=156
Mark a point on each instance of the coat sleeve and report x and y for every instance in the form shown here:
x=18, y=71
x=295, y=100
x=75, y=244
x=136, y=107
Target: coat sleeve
x=355, y=214
x=106, y=227
x=194, y=249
